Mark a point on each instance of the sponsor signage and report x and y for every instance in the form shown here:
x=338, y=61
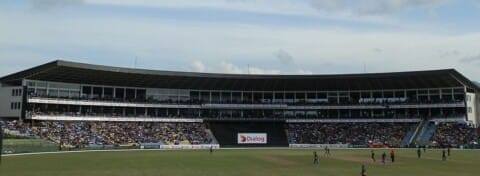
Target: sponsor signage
x=252, y=138
x=319, y=145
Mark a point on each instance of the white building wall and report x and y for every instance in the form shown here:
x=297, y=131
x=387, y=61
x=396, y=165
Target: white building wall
x=7, y=109
x=477, y=109
x=472, y=108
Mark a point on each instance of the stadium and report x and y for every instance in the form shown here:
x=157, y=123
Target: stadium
x=67, y=107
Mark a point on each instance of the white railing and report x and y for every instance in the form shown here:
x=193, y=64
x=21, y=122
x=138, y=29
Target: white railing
x=307, y=107
x=183, y=147
x=318, y=145
x=436, y=105
x=453, y=119
x=112, y=119
x=106, y=103
x=246, y=106
x=352, y=120
x=238, y=106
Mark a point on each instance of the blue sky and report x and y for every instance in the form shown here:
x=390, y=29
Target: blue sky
x=241, y=36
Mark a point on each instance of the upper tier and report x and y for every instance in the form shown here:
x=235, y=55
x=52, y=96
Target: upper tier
x=72, y=72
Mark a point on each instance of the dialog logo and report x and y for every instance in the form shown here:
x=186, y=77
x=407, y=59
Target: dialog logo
x=243, y=139
x=252, y=138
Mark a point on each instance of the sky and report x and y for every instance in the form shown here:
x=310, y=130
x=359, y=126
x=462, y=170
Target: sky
x=244, y=36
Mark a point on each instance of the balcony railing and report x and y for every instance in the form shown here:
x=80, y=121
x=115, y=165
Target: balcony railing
x=280, y=106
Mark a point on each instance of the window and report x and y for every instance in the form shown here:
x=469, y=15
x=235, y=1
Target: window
x=469, y=109
x=15, y=105
x=31, y=84
x=16, y=92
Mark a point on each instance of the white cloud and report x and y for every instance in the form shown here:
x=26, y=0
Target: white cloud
x=197, y=66
x=362, y=7
x=172, y=44
x=230, y=68
x=370, y=7
x=470, y=59
x=52, y=4
x=263, y=6
x=259, y=71
x=284, y=57
x=226, y=67
x=452, y=53
x=303, y=72
x=310, y=8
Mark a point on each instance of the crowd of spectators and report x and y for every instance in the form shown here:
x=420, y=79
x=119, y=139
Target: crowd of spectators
x=21, y=129
x=118, y=133
x=454, y=135
x=81, y=134
x=390, y=134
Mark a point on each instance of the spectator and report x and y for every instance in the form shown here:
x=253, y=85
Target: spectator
x=390, y=134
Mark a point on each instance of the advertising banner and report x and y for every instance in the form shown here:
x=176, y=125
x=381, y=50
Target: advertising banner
x=252, y=138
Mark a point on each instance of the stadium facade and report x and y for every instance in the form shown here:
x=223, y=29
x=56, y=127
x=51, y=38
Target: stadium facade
x=235, y=103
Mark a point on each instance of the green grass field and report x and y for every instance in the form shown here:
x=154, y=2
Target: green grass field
x=238, y=162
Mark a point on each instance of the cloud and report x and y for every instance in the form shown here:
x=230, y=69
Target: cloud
x=226, y=67
x=197, y=66
x=284, y=57
x=263, y=6
x=45, y=5
x=370, y=7
x=452, y=53
x=259, y=71
x=288, y=63
x=377, y=50
x=303, y=8
x=174, y=44
x=470, y=59
x=303, y=72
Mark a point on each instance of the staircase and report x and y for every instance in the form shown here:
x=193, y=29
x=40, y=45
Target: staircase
x=425, y=133
x=416, y=131
x=291, y=137
x=408, y=137
x=214, y=140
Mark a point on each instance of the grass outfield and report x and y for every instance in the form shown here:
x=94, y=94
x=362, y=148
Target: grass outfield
x=238, y=162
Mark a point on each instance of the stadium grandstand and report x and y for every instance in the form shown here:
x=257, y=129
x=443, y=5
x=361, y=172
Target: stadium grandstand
x=78, y=105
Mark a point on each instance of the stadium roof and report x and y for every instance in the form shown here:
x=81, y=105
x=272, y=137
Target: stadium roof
x=73, y=72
